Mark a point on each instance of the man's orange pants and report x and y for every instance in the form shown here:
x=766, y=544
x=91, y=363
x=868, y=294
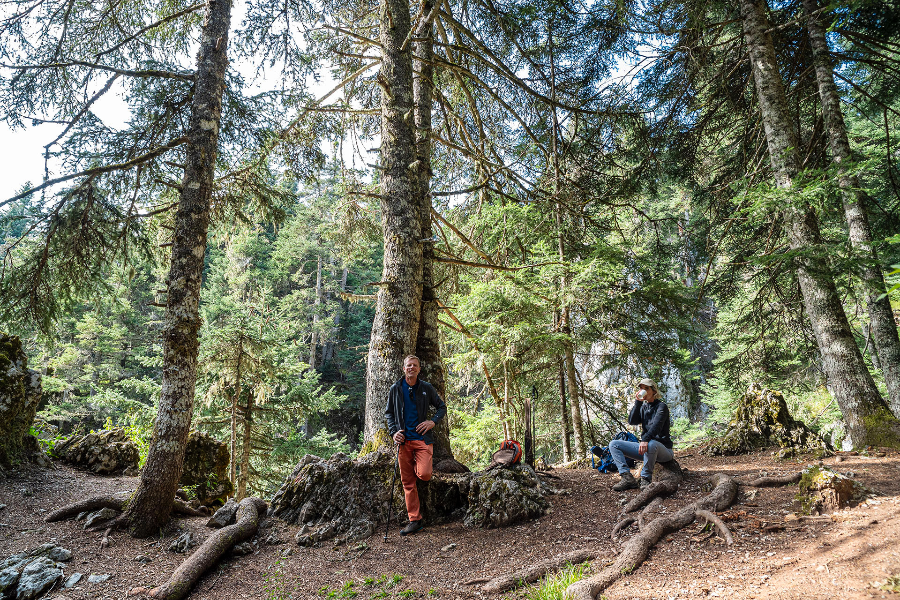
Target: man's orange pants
x=415, y=462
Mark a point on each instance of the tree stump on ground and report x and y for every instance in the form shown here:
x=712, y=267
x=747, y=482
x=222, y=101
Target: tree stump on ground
x=761, y=420
x=340, y=499
x=824, y=491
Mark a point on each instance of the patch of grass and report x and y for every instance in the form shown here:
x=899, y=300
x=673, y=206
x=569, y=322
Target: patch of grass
x=553, y=587
x=892, y=584
x=407, y=593
x=276, y=587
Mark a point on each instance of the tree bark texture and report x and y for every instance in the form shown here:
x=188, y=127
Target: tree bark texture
x=564, y=415
x=428, y=342
x=234, y=407
x=246, y=448
x=398, y=305
x=313, y=345
x=868, y=418
x=881, y=317
x=208, y=554
x=151, y=504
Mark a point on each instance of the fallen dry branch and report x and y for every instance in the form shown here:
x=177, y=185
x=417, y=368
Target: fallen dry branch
x=536, y=571
x=634, y=551
x=772, y=481
x=208, y=554
x=719, y=523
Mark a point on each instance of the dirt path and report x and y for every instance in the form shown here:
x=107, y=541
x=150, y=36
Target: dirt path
x=775, y=555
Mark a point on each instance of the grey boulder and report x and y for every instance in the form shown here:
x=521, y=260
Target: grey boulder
x=37, y=578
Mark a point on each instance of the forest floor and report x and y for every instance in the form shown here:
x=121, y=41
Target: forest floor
x=775, y=554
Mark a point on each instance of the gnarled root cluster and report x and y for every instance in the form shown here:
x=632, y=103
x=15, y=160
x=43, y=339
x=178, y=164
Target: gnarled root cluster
x=635, y=550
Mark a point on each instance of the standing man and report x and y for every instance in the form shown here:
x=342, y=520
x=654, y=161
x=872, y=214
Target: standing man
x=409, y=425
x=653, y=416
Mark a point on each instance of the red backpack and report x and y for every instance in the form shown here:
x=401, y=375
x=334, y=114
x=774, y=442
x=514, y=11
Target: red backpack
x=510, y=453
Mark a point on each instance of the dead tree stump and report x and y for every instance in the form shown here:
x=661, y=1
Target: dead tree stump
x=824, y=491
x=761, y=420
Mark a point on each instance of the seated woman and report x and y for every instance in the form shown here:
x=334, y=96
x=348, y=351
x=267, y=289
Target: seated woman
x=656, y=445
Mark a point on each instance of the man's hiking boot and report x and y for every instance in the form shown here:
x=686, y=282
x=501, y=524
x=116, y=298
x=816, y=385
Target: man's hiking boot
x=628, y=482
x=645, y=482
x=411, y=528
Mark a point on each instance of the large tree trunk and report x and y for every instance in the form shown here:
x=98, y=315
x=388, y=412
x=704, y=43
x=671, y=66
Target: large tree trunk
x=246, y=448
x=234, y=407
x=564, y=415
x=564, y=322
x=315, y=319
x=881, y=317
x=868, y=418
x=572, y=383
x=428, y=342
x=398, y=306
x=151, y=504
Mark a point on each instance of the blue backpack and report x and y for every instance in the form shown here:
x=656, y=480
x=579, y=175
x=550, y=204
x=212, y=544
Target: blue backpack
x=606, y=463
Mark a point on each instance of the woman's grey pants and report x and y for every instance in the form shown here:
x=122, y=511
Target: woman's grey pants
x=621, y=449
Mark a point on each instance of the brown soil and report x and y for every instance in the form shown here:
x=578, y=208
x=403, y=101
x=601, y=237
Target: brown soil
x=775, y=554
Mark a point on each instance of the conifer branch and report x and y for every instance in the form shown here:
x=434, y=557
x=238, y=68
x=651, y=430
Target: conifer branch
x=139, y=160
x=90, y=65
x=462, y=237
x=143, y=30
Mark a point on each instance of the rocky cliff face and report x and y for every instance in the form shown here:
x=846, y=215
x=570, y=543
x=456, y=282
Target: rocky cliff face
x=616, y=384
x=20, y=393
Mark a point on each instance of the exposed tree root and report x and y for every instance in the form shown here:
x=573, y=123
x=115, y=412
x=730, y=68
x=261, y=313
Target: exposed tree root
x=719, y=523
x=772, y=481
x=180, y=507
x=208, y=554
x=666, y=481
x=656, y=501
x=88, y=505
x=635, y=551
x=104, y=542
x=536, y=571
x=116, y=502
x=622, y=524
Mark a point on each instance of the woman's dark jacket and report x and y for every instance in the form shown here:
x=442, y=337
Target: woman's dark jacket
x=653, y=417
x=425, y=395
